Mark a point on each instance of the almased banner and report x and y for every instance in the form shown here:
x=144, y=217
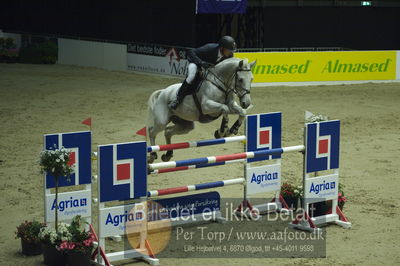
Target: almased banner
x=322, y=66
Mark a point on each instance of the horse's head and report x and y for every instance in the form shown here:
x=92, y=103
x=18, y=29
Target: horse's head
x=242, y=83
x=237, y=77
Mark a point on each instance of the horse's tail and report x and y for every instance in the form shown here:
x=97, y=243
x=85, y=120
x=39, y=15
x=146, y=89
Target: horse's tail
x=150, y=105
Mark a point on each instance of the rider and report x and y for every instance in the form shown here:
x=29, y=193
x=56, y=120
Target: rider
x=204, y=56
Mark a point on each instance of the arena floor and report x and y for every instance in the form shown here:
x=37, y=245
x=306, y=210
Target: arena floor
x=40, y=99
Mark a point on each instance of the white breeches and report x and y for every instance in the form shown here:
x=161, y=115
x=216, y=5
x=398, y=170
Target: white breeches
x=192, y=70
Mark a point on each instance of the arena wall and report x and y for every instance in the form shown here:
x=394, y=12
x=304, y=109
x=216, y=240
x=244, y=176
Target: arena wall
x=110, y=56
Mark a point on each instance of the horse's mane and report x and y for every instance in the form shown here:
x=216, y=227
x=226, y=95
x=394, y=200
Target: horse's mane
x=234, y=60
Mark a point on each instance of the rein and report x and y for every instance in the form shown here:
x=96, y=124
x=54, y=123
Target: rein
x=226, y=88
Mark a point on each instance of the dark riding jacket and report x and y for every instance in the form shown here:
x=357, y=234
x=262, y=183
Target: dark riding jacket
x=206, y=53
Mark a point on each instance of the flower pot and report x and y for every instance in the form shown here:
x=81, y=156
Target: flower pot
x=52, y=256
x=291, y=202
x=75, y=258
x=30, y=249
x=318, y=208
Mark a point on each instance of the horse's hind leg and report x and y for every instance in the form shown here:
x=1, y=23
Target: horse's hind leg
x=153, y=131
x=177, y=129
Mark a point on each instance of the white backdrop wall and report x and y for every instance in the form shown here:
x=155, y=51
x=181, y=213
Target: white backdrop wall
x=108, y=56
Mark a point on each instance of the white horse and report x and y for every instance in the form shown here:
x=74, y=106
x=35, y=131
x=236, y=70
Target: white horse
x=215, y=97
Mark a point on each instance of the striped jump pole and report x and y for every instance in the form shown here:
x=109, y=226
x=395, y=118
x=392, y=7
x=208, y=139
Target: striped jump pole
x=176, y=190
x=183, y=168
x=190, y=144
x=224, y=158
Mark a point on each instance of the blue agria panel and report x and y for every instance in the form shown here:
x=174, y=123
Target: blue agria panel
x=79, y=144
x=122, y=171
x=264, y=132
x=322, y=146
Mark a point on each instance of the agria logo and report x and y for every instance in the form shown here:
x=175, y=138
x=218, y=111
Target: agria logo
x=324, y=186
x=79, y=145
x=122, y=171
x=323, y=141
x=264, y=132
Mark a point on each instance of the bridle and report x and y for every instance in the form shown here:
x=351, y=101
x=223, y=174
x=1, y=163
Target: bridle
x=226, y=88
x=235, y=88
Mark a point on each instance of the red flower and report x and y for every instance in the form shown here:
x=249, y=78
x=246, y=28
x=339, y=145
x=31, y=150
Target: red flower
x=88, y=242
x=63, y=245
x=71, y=245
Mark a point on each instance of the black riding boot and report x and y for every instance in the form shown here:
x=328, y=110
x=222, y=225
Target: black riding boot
x=182, y=92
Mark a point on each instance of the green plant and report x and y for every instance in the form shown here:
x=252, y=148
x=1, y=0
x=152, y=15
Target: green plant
x=48, y=235
x=6, y=43
x=288, y=190
x=29, y=231
x=42, y=53
x=316, y=118
x=341, y=197
x=57, y=163
x=80, y=240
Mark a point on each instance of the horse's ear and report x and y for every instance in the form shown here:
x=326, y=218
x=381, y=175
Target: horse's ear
x=253, y=64
x=240, y=63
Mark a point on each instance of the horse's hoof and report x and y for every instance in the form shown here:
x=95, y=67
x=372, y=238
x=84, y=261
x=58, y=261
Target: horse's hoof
x=217, y=135
x=165, y=158
x=153, y=156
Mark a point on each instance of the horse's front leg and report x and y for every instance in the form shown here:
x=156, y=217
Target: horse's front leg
x=223, y=130
x=212, y=107
x=235, y=108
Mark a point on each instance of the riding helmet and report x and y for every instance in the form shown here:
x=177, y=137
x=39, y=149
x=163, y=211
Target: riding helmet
x=227, y=42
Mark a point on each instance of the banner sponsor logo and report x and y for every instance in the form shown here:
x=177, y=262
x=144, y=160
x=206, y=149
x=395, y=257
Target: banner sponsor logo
x=323, y=143
x=69, y=205
x=167, y=65
x=264, y=132
x=122, y=171
x=264, y=178
x=79, y=145
x=322, y=66
x=133, y=218
x=221, y=6
x=322, y=188
x=157, y=50
x=338, y=66
x=116, y=220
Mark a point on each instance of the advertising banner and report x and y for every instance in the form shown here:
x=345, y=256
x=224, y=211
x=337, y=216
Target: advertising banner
x=266, y=178
x=119, y=220
x=157, y=59
x=122, y=171
x=70, y=204
x=264, y=132
x=221, y=6
x=115, y=220
x=321, y=188
x=322, y=66
x=323, y=146
x=79, y=145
